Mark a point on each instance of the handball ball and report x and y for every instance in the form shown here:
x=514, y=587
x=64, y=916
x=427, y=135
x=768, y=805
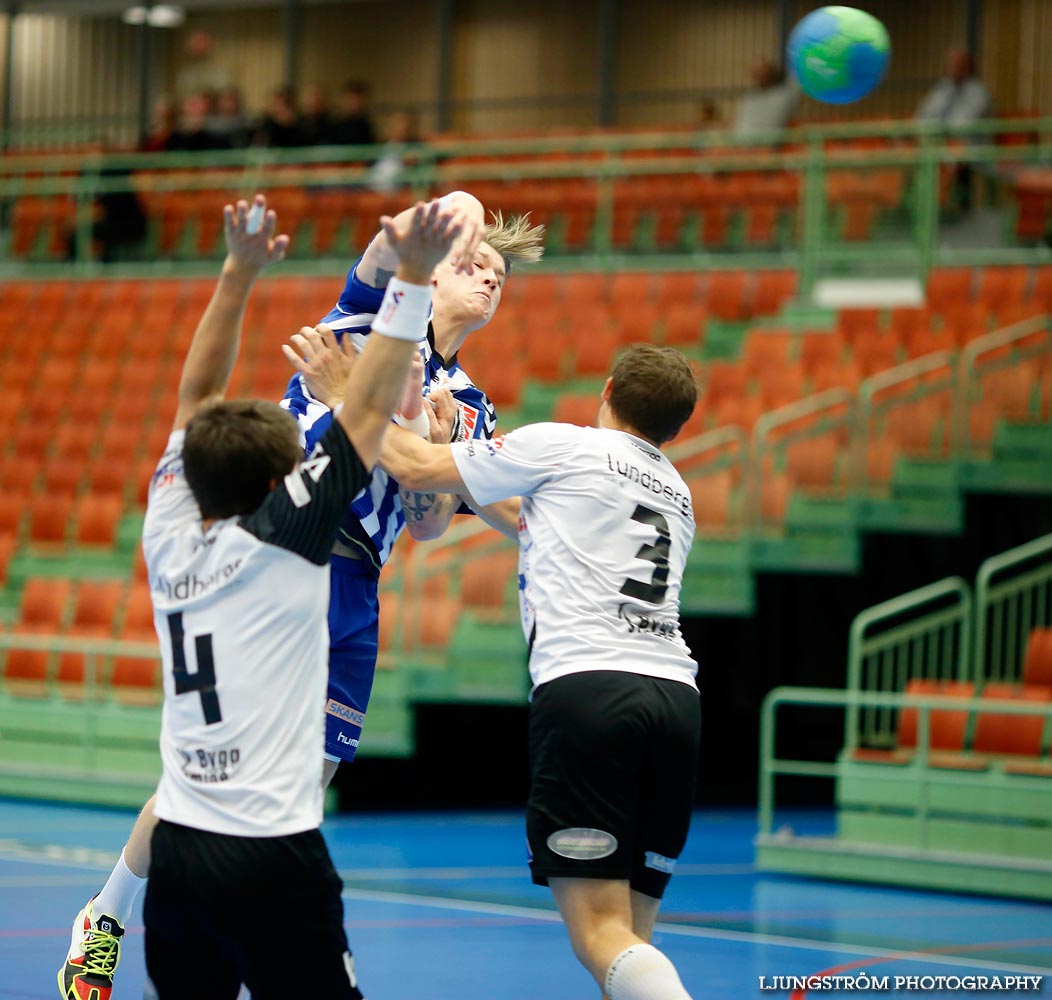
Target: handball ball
x=838, y=54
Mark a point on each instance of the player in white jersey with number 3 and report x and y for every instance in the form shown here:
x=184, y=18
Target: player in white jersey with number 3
x=237, y=538
x=604, y=528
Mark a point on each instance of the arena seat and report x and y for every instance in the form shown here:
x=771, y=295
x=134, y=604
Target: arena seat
x=1037, y=665
x=484, y=579
x=49, y=518
x=947, y=727
x=97, y=516
x=1010, y=734
x=684, y=324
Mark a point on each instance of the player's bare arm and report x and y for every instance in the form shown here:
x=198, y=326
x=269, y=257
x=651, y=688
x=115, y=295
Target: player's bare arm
x=213, y=351
x=380, y=260
x=502, y=516
x=423, y=467
x=377, y=380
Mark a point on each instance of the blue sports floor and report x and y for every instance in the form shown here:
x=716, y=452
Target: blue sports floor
x=440, y=907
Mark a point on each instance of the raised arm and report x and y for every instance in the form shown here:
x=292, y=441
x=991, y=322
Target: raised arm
x=380, y=260
x=420, y=240
x=213, y=350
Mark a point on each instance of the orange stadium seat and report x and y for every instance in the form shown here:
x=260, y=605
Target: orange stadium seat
x=1010, y=734
x=44, y=601
x=12, y=509
x=629, y=290
x=811, y=463
x=684, y=324
x=484, y=580
x=97, y=517
x=1037, y=665
x=576, y=408
x=48, y=518
x=711, y=496
x=595, y=351
x=947, y=727
x=726, y=295
x=765, y=350
x=63, y=474
x=138, y=611
x=773, y=290
x=7, y=550
x=949, y=287
x=680, y=287
x=96, y=606
x=19, y=473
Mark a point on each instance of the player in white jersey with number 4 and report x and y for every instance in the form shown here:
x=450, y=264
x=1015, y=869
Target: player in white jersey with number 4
x=237, y=538
x=604, y=528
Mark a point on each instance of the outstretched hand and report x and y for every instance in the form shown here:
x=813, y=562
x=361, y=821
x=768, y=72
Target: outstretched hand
x=424, y=239
x=250, y=248
x=324, y=364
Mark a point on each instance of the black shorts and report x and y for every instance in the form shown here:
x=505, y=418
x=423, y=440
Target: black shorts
x=264, y=911
x=613, y=762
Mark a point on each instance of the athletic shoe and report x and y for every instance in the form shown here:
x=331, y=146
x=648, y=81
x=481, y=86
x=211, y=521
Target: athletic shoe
x=93, y=955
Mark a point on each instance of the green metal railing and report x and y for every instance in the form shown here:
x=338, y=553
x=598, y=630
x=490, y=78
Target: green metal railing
x=66, y=739
x=830, y=413
x=1013, y=595
x=809, y=154
x=923, y=634
x=852, y=702
x=1022, y=347
x=715, y=467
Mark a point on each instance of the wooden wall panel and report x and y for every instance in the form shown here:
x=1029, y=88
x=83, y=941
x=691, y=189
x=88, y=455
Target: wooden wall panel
x=1035, y=60
x=505, y=49
x=67, y=69
x=674, y=47
x=248, y=48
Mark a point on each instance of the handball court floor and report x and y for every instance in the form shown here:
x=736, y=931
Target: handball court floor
x=440, y=907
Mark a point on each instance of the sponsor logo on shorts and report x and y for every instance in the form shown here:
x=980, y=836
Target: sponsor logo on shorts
x=350, y=741
x=582, y=843
x=345, y=712
x=660, y=863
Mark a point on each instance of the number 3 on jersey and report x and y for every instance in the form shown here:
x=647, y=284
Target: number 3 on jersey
x=204, y=679
x=656, y=553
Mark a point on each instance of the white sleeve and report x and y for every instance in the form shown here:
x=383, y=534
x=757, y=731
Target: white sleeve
x=169, y=505
x=513, y=465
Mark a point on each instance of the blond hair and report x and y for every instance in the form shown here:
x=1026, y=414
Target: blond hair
x=515, y=239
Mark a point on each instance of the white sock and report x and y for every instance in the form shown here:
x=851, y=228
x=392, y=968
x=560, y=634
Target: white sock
x=117, y=898
x=643, y=973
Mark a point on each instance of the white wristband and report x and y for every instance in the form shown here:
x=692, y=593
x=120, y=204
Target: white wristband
x=404, y=312
x=419, y=425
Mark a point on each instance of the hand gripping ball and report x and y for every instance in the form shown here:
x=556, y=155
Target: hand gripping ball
x=838, y=54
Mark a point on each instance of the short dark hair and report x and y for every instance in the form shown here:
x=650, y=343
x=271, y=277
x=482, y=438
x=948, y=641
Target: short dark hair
x=234, y=451
x=654, y=391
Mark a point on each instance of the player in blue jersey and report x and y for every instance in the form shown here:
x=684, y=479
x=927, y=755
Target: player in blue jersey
x=462, y=303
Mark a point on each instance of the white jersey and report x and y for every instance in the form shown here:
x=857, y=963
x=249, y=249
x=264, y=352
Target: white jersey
x=241, y=615
x=604, y=533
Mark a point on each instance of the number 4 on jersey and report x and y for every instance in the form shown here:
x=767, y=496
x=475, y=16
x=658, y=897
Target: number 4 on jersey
x=203, y=680
x=656, y=553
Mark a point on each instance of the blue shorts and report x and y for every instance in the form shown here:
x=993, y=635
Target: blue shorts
x=353, y=643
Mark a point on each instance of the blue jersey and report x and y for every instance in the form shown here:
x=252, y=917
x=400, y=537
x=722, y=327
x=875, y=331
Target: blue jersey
x=375, y=519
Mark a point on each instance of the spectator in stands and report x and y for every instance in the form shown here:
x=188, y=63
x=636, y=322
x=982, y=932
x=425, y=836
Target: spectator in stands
x=708, y=115
x=769, y=105
x=960, y=97
x=316, y=118
x=398, y=152
x=193, y=134
x=200, y=69
x=118, y=220
x=164, y=123
x=281, y=123
x=229, y=120
x=353, y=126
